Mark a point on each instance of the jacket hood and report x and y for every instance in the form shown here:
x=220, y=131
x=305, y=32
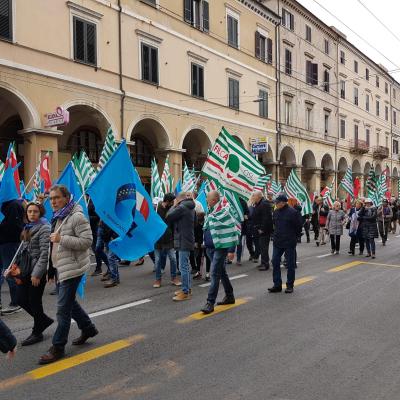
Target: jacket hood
x=188, y=203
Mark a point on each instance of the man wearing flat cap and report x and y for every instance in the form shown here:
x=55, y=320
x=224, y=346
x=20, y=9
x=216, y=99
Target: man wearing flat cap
x=287, y=227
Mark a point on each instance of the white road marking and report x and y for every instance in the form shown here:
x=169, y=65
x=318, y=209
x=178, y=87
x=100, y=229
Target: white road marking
x=232, y=279
x=118, y=308
x=324, y=255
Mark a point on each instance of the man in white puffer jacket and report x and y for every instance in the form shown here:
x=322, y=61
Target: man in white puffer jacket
x=71, y=240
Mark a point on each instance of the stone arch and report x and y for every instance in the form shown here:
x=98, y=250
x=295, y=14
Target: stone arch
x=327, y=170
x=395, y=172
x=267, y=159
x=367, y=168
x=196, y=142
x=342, y=167
x=356, y=167
x=308, y=171
x=287, y=161
x=378, y=169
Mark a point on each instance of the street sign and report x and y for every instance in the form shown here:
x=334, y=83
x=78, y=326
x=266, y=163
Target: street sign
x=259, y=148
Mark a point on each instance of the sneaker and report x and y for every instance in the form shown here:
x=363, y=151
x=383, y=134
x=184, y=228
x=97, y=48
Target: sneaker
x=337, y=252
x=176, y=282
x=197, y=275
x=11, y=310
x=275, y=289
x=332, y=251
x=157, y=284
x=182, y=297
x=180, y=291
x=289, y=289
x=207, y=278
x=373, y=256
x=207, y=309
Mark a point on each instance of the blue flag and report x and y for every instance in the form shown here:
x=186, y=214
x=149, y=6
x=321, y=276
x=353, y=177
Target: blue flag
x=178, y=188
x=8, y=190
x=68, y=179
x=28, y=196
x=202, y=199
x=127, y=207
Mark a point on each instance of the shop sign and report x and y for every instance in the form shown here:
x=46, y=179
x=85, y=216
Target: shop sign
x=259, y=145
x=57, y=118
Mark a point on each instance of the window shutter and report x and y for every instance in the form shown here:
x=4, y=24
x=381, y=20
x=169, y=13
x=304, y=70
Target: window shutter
x=79, y=40
x=257, y=45
x=188, y=11
x=201, y=81
x=154, y=65
x=5, y=19
x=314, y=74
x=91, y=43
x=235, y=32
x=236, y=86
x=291, y=22
x=206, y=16
x=269, y=51
x=308, y=71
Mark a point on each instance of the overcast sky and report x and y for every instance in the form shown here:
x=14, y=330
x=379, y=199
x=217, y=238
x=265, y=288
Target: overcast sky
x=356, y=17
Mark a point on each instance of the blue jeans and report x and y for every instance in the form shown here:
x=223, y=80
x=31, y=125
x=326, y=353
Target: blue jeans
x=67, y=308
x=161, y=260
x=370, y=245
x=277, y=254
x=218, y=273
x=7, y=252
x=184, y=266
x=99, y=253
x=113, y=261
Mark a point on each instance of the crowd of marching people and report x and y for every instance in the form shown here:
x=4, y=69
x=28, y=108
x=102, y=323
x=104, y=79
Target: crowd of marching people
x=197, y=245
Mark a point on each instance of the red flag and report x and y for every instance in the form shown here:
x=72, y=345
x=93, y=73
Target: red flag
x=12, y=162
x=348, y=201
x=357, y=187
x=45, y=173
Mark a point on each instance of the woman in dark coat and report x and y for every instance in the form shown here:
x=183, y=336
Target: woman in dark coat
x=367, y=216
x=36, y=235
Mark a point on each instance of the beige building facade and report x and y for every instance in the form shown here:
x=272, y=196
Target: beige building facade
x=167, y=75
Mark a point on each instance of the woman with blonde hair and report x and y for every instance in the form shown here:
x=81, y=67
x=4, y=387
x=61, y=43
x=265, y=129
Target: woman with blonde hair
x=334, y=224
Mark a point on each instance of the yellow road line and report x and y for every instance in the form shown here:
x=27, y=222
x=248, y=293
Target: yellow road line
x=218, y=309
x=304, y=280
x=382, y=265
x=70, y=362
x=345, y=266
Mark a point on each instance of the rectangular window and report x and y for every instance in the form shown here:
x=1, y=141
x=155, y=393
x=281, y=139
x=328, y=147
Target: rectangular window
x=386, y=88
x=326, y=81
x=367, y=74
x=356, y=133
x=377, y=108
x=395, y=147
x=367, y=102
x=197, y=80
x=234, y=93
x=85, y=49
x=149, y=63
x=196, y=13
x=394, y=117
x=288, y=62
x=367, y=136
x=308, y=33
x=342, y=129
x=343, y=89
x=355, y=66
x=356, y=96
x=342, y=57
x=386, y=113
x=326, y=42
x=263, y=103
x=377, y=81
x=263, y=48
x=6, y=19
x=233, y=31
x=288, y=112
x=287, y=19
x=309, y=118
x=326, y=124
x=311, y=73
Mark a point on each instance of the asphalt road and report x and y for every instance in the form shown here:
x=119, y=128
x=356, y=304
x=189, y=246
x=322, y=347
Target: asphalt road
x=336, y=337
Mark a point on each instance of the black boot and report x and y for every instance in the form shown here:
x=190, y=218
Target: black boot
x=207, y=309
x=32, y=339
x=227, y=300
x=275, y=289
x=89, y=333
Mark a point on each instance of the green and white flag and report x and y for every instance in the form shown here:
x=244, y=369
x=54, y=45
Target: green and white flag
x=167, y=181
x=294, y=188
x=156, y=191
x=274, y=188
x=189, y=181
x=381, y=189
x=327, y=195
x=2, y=169
x=347, y=182
x=235, y=206
x=232, y=166
x=222, y=225
x=108, y=149
x=262, y=182
x=83, y=169
x=371, y=183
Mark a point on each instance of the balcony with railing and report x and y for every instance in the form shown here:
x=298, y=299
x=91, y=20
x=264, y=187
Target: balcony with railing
x=380, y=152
x=359, y=146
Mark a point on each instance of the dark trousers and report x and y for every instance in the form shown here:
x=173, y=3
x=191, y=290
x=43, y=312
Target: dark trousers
x=263, y=249
x=7, y=252
x=353, y=241
x=335, y=242
x=67, y=308
x=100, y=255
x=384, y=228
x=250, y=244
x=370, y=245
x=218, y=273
x=290, y=253
x=208, y=262
x=30, y=299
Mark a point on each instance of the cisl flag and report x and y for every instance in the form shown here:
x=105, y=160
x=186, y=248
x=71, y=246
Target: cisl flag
x=232, y=166
x=45, y=173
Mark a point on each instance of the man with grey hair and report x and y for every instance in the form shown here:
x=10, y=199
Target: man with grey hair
x=262, y=225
